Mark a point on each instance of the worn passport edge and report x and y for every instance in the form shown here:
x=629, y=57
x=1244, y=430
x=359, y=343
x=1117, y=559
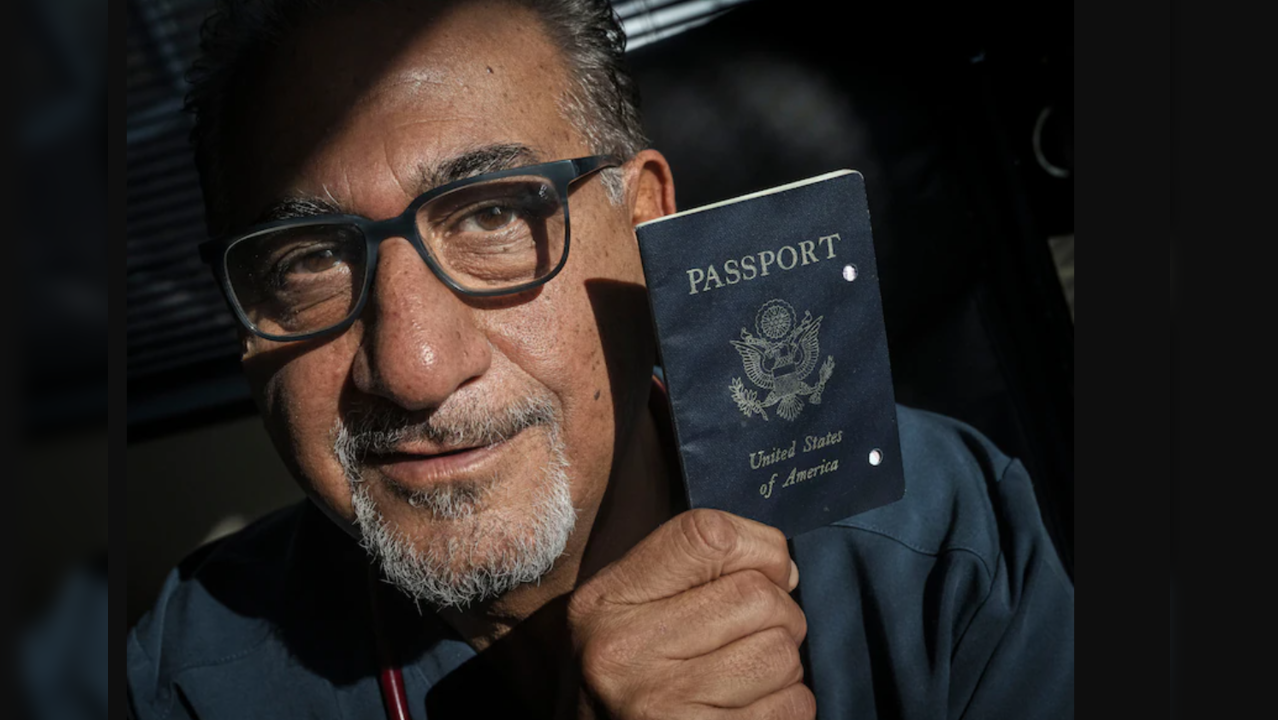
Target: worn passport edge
x=656, y=328
x=751, y=196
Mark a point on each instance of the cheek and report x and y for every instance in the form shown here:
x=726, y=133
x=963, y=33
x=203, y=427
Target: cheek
x=553, y=339
x=587, y=339
x=300, y=400
x=531, y=334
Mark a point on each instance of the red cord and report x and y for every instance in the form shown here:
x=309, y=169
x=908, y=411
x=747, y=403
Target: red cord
x=392, y=682
x=390, y=678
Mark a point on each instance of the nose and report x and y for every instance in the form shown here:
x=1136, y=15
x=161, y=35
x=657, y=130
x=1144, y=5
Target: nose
x=420, y=340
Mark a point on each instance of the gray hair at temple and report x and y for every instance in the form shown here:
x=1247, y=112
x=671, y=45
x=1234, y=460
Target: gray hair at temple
x=601, y=102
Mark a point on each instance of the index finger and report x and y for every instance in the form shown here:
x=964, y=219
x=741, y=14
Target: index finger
x=691, y=549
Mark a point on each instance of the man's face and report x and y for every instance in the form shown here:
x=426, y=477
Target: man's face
x=466, y=426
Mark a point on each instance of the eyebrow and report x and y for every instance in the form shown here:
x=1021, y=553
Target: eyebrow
x=299, y=206
x=489, y=158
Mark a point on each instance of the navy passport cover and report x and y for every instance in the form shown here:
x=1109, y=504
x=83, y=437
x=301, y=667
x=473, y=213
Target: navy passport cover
x=770, y=326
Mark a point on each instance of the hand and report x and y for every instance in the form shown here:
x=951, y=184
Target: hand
x=696, y=621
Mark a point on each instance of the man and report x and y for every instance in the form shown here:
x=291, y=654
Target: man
x=461, y=381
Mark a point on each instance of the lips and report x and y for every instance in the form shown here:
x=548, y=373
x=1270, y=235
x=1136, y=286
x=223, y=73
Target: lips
x=413, y=470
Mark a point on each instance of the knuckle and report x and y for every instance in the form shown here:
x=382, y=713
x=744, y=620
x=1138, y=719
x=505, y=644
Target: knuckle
x=770, y=657
x=649, y=704
x=585, y=618
x=754, y=592
x=796, y=702
x=583, y=604
x=778, y=552
x=782, y=651
x=604, y=658
x=708, y=533
x=800, y=703
x=776, y=540
x=800, y=618
x=594, y=667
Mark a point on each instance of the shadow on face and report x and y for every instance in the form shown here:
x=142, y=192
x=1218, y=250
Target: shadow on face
x=266, y=360
x=285, y=103
x=468, y=70
x=625, y=327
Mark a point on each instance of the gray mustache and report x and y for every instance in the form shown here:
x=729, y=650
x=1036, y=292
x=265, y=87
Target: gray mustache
x=385, y=429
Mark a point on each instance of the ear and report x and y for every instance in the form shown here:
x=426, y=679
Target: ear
x=651, y=186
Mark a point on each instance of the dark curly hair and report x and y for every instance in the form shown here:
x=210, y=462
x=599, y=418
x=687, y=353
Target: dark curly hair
x=602, y=101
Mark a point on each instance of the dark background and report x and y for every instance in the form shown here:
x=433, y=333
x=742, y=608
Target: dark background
x=963, y=128
x=55, y=350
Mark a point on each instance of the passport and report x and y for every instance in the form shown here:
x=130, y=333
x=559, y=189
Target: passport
x=770, y=327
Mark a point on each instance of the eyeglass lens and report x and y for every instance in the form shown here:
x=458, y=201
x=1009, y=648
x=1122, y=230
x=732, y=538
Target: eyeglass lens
x=496, y=234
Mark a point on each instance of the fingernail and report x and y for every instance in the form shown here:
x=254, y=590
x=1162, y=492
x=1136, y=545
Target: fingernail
x=794, y=575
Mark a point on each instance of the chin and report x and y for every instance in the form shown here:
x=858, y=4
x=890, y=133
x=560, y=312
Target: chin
x=467, y=542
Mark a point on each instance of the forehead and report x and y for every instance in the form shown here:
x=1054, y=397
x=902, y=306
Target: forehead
x=356, y=103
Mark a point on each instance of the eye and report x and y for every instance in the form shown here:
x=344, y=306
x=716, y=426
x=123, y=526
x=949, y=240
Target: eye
x=317, y=261
x=493, y=218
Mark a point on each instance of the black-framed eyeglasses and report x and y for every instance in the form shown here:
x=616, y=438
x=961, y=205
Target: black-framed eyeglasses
x=499, y=233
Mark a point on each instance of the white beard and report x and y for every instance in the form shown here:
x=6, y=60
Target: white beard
x=478, y=553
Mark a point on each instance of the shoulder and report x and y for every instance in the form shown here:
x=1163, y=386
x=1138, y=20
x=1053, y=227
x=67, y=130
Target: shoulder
x=964, y=498
x=951, y=501
x=216, y=606
x=955, y=591
x=966, y=537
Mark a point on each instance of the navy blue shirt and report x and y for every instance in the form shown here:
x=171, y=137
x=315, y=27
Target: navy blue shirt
x=950, y=603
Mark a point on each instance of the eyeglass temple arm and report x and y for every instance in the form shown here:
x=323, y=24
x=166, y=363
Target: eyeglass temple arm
x=587, y=165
